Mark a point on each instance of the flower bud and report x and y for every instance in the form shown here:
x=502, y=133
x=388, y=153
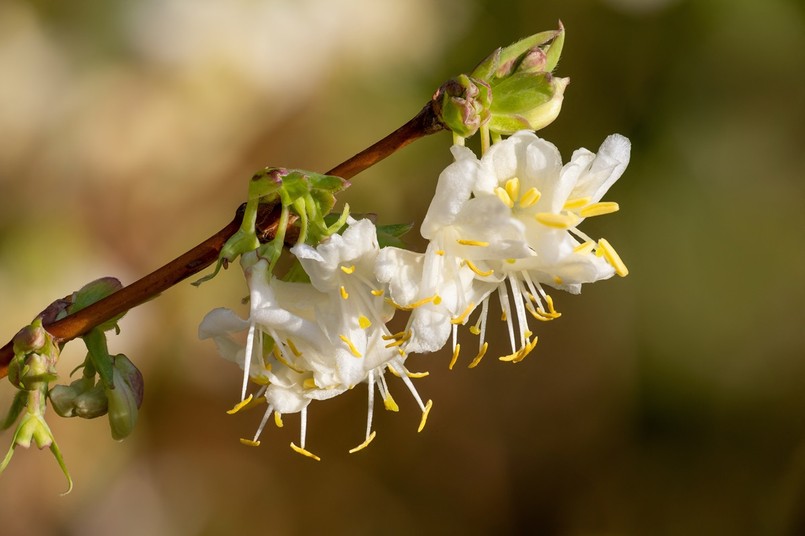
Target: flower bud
x=91, y=403
x=125, y=397
x=526, y=101
x=462, y=104
x=30, y=339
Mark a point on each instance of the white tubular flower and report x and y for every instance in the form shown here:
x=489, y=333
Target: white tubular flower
x=545, y=202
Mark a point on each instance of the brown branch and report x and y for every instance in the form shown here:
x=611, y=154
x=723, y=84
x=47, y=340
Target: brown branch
x=204, y=254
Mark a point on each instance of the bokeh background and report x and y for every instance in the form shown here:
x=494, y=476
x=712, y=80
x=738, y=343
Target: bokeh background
x=670, y=402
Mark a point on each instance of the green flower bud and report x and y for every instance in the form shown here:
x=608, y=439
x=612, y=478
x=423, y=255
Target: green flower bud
x=528, y=101
x=62, y=399
x=124, y=398
x=462, y=104
x=91, y=403
x=30, y=339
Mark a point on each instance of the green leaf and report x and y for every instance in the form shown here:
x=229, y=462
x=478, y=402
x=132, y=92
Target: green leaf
x=389, y=235
x=521, y=92
x=93, y=292
x=17, y=405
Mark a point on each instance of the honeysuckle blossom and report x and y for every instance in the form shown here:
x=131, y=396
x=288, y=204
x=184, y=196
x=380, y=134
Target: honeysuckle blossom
x=314, y=341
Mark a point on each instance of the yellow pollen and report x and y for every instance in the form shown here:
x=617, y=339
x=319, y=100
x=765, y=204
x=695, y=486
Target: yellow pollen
x=599, y=209
x=584, y=248
x=475, y=330
x=481, y=354
x=416, y=375
x=249, y=442
x=352, y=348
x=278, y=419
x=390, y=404
x=612, y=257
x=504, y=197
x=525, y=351
x=240, y=405
x=455, y=357
x=293, y=348
x=475, y=269
x=377, y=292
x=557, y=221
x=557, y=280
x=425, y=413
x=478, y=243
x=463, y=316
x=309, y=383
x=512, y=187
x=348, y=269
x=576, y=203
x=260, y=380
x=344, y=293
x=364, y=322
x=437, y=299
x=530, y=197
x=304, y=452
x=364, y=444
x=439, y=252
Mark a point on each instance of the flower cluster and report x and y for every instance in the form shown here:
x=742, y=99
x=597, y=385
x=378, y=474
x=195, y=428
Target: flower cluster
x=506, y=224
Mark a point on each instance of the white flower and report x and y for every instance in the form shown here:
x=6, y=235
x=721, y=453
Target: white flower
x=314, y=341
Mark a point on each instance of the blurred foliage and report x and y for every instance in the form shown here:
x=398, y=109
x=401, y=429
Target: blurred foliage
x=670, y=402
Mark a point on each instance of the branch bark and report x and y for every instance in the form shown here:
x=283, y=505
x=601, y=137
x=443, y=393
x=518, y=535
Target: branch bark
x=206, y=253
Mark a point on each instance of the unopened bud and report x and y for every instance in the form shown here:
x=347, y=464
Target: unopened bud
x=92, y=403
x=527, y=101
x=124, y=398
x=462, y=104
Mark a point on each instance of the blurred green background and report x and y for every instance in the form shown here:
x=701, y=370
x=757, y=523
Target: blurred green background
x=670, y=402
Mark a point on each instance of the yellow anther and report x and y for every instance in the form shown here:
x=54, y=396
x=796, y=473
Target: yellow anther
x=504, y=197
x=364, y=444
x=344, y=293
x=293, y=348
x=278, y=419
x=393, y=371
x=304, y=452
x=475, y=269
x=455, y=357
x=503, y=316
x=348, y=269
x=463, y=316
x=352, y=348
x=439, y=252
x=416, y=375
x=576, y=203
x=399, y=335
x=585, y=247
x=557, y=280
x=551, y=309
x=481, y=353
x=364, y=322
x=240, y=405
x=540, y=315
x=249, y=442
x=512, y=187
x=425, y=413
x=281, y=358
x=475, y=330
x=309, y=383
x=396, y=343
x=509, y=357
x=530, y=197
x=599, y=209
x=511, y=261
x=525, y=351
x=377, y=292
x=390, y=404
x=557, y=221
x=435, y=299
x=613, y=258
x=479, y=243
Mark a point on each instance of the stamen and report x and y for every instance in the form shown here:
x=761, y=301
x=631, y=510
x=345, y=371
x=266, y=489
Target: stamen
x=436, y=299
x=557, y=221
x=527, y=350
x=247, y=359
x=512, y=187
x=259, y=431
x=393, y=370
x=293, y=348
x=344, y=293
x=475, y=269
x=278, y=419
x=389, y=403
x=613, y=258
x=478, y=243
x=281, y=358
x=504, y=197
x=425, y=413
x=557, y=280
x=396, y=343
x=364, y=444
x=309, y=383
x=249, y=442
x=530, y=197
x=455, y=357
x=475, y=330
x=463, y=316
x=578, y=202
x=584, y=247
x=599, y=209
x=352, y=348
x=304, y=452
x=377, y=292
x=364, y=322
x=481, y=354
x=399, y=334
x=416, y=375
x=439, y=252
x=239, y=406
x=348, y=269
